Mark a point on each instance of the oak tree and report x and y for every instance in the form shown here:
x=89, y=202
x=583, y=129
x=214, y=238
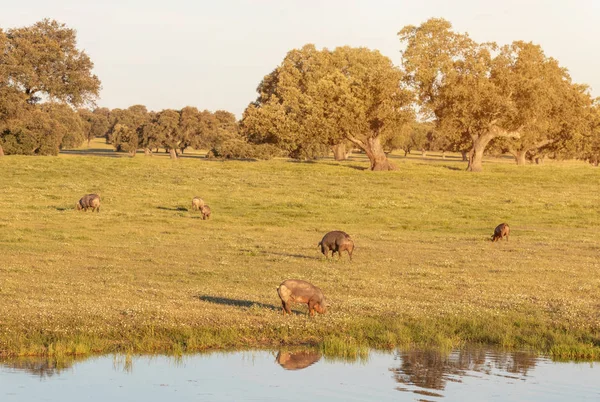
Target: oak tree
x=125, y=132
x=46, y=64
x=97, y=122
x=41, y=64
x=317, y=99
x=480, y=91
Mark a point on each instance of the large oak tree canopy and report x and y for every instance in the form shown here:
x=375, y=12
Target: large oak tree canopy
x=41, y=70
x=482, y=91
x=45, y=63
x=320, y=98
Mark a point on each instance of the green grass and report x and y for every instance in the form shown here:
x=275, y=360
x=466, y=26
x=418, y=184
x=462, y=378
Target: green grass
x=147, y=274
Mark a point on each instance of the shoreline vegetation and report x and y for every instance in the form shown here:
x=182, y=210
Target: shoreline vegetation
x=147, y=275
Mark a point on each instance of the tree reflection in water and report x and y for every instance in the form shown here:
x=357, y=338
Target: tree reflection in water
x=41, y=367
x=432, y=370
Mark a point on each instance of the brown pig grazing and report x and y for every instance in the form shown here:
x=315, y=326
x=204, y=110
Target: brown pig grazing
x=502, y=230
x=336, y=241
x=205, y=211
x=197, y=203
x=299, y=291
x=89, y=201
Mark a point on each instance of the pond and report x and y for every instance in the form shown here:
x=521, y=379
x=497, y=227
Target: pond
x=303, y=375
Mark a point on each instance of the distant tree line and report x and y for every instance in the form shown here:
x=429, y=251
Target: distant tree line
x=137, y=128
x=451, y=94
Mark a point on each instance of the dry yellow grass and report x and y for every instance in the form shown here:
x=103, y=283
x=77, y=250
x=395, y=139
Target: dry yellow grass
x=147, y=274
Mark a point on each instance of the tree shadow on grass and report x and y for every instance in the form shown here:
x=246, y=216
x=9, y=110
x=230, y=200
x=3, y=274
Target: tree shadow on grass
x=239, y=303
x=173, y=209
x=355, y=167
x=453, y=168
x=308, y=162
x=308, y=257
x=110, y=153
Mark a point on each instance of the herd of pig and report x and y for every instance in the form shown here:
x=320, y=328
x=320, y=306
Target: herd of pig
x=292, y=290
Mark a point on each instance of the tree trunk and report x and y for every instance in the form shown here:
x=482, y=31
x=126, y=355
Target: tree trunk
x=480, y=141
x=374, y=150
x=423, y=153
x=476, y=153
x=464, y=156
x=521, y=154
x=520, y=157
x=339, y=152
x=378, y=158
x=443, y=154
x=132, y=152
x=148, y=152
x=173, y=153
x=89, y=140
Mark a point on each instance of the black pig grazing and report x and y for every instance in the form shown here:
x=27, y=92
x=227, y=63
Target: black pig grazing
x=336, y=241
x=299, y=291
x=502, y=230
x=89, y=201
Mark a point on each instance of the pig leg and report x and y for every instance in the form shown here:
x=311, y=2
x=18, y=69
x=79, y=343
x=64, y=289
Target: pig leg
x=284, y=307
x=312, y=307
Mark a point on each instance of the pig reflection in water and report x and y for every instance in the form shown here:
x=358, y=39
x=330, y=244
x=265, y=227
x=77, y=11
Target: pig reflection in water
x=297, y=360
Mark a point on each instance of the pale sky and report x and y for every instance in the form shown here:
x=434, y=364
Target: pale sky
x=213, y=54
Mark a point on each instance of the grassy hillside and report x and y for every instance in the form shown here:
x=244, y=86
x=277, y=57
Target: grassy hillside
x=147, y=274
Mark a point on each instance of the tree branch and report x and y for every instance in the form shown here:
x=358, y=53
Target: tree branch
x=355, y=141
x=500, y=132
x=511, y=150
x=542, y=143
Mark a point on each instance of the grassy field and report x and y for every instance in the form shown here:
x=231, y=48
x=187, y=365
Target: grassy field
x=147, y=274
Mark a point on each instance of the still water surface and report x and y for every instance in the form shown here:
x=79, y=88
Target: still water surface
x=467, y=375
